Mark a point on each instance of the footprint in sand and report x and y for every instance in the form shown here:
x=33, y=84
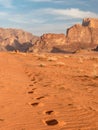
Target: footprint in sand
x=34, y=88
x=35, y=104
x=30, y=92
x=29, y=74
x=33, y=79
x=1, y=119
x=31, y=85
x=51, y=122
x=49, y=112
x=34, y=82
x=40, y=97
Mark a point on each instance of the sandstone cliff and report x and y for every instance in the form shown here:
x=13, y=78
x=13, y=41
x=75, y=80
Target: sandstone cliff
x=79, y=36
x=90, y=22
x=86, y=34
x=48, y=41
x=15, y=39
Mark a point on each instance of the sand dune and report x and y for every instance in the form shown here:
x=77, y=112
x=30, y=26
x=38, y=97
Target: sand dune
x=48, y=91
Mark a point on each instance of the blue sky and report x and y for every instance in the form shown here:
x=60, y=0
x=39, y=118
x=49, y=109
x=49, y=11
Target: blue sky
x=45, y=16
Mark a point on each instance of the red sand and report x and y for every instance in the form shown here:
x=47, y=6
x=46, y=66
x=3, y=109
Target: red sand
x=48, y=92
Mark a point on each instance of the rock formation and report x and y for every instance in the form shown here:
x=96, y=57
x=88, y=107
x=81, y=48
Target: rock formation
x=77, y=37
x=48, y=41
x=90, y=22
x=15, y=39
x=85, y=34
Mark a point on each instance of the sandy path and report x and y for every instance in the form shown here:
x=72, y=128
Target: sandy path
x=38, y=94
x=15, y=111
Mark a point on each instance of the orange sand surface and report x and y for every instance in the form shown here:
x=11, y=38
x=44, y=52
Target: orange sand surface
x=48, y=91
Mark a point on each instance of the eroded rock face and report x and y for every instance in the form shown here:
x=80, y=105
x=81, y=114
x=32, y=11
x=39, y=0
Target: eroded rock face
x=57, y=39
x=79, y=36
x=48, y=41
x=15, y=39
x=86, y=34
x=90, y=22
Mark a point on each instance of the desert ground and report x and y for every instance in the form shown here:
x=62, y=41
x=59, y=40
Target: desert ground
x=48, y=91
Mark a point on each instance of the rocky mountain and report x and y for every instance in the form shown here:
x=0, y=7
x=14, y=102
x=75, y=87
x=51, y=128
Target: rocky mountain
x=47, y=42
x=79, y=36
x=15, y=39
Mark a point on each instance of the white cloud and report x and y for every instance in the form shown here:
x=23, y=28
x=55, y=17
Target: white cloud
x=3, y=14
x=71, y=13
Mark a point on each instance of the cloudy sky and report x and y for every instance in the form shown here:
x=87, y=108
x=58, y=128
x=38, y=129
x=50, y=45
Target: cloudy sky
x=45, y=16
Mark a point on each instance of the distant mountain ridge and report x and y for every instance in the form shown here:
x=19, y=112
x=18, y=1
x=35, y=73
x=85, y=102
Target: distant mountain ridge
x=16, y=39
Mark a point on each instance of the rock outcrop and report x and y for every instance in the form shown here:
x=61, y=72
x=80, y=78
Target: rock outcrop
x=86, y=34
x=15, y=39
x=79, y=36
x=48, y=41
x=90, y=22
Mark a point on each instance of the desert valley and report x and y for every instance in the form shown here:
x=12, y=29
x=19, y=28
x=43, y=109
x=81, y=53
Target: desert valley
x=49, y=82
